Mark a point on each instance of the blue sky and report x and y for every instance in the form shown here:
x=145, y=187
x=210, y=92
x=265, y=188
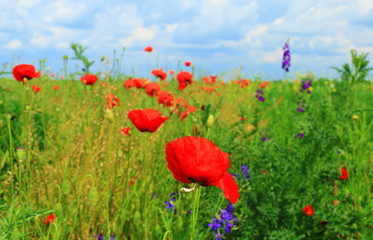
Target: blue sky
x=215, y=35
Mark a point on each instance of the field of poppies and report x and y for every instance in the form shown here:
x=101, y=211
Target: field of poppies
x=182, y=155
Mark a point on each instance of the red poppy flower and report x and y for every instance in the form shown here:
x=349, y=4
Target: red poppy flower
x=182, y=102
x=187, y=63
x=89, y=79
x=23, y=71
x=50, y=219
x=192, y=109
x=140, y=83
x=125, y=131
x=344, y=175
x=308, y=210
x=245, y=81
x=159, y=73
x=111, y=101
x=184, y=115
x=172, y=72
x=196, y=159
x=146, y=119
x=165, y=98
x=103, y=84
x=184, y=79
x=35, y=89
x=148, y=49
x=263, y=85
x=52, y=75
x=56, y=87
x=152, y=89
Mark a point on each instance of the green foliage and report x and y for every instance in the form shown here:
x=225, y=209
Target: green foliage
x=358, y=71
x=78, y=51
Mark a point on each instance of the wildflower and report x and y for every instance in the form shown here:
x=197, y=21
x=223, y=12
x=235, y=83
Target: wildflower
x=171, y=72
x=245, y=171
x=146, y=119
x=266, y=138
x=286, y=57
x=307, y=86
x=300, y=106
x=192, y=109
x=148, y=49
x=52, y=75
x=101, y=237
x=125, y=131
x=184, y=115
x=355, y=117
x=22, y=71
x=165, y=98
x=171, y=203
x=184, y=79
x=308, y=210
x=111, y=101
x=300, y=135
x=36, y=89
x=187, y=63
x=196, y=159
x=89, y=79
x=50, y=219
x=152, y=89
x=215, y=225
x=56, y=87
x=159, y=73
x=181, y=102
x=344, y=175
x=259, y=95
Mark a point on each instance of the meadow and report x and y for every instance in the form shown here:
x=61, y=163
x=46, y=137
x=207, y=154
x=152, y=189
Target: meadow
x=74, y=166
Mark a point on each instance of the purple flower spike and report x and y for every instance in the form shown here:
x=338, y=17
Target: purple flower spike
x=286, y=57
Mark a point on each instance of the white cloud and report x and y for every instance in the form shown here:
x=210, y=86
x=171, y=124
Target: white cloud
x=14, y=44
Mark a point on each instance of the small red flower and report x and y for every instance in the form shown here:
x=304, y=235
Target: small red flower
x=308, y=210
x=61, y=77
x=89, y=79
x=165, y=98
x=35, y=89
x=160, y=74
x=125, y=131
x=344, y=175
x=148, y=49
x=181, y=102
x=111, y=100
x=242, y=119
x=52, y=75
x=196, y=159
x=184, y=115
x=187, y=63
x=172, y=72
x=184, y=79
x=23, y=71
x=103, y=84
x=152, y=89
x=49, y=220
x=192, y=109
x=146, y=119
x=263, y=85
x=265, y=82
x=56, y=87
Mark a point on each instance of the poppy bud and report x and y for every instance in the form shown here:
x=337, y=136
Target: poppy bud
x=27, y=107
x=137, y=217
x=210, y=120
x=59, y=209
x=65, y=57
x=120, y=153
x=355, y=117
x=109, y=115
x=102, y=58
x=66, y=187
x=93, y=197
x=20, y=153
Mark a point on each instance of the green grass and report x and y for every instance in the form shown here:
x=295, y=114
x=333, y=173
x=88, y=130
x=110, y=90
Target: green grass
x=72, y=147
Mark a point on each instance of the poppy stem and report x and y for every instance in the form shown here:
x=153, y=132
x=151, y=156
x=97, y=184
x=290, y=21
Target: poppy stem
x=195, y=210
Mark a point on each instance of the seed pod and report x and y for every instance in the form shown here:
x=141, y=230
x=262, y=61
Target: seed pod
x=66, y=187
x=355, y=117
x=93, y=197
x=58, y=210
x=137, y=217
x=20, y=153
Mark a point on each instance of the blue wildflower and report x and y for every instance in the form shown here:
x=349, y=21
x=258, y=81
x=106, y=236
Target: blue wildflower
x=215, y=225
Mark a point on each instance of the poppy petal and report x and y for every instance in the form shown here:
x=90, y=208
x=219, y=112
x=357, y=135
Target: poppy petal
x=229, y=187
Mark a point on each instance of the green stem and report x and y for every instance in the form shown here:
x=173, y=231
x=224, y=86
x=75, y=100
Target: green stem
x=77, y=205
x=195, y=210
x=20, y=196
x=11, y=160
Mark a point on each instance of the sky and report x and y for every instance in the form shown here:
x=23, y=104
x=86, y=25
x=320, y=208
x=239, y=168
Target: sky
x=217, y=36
